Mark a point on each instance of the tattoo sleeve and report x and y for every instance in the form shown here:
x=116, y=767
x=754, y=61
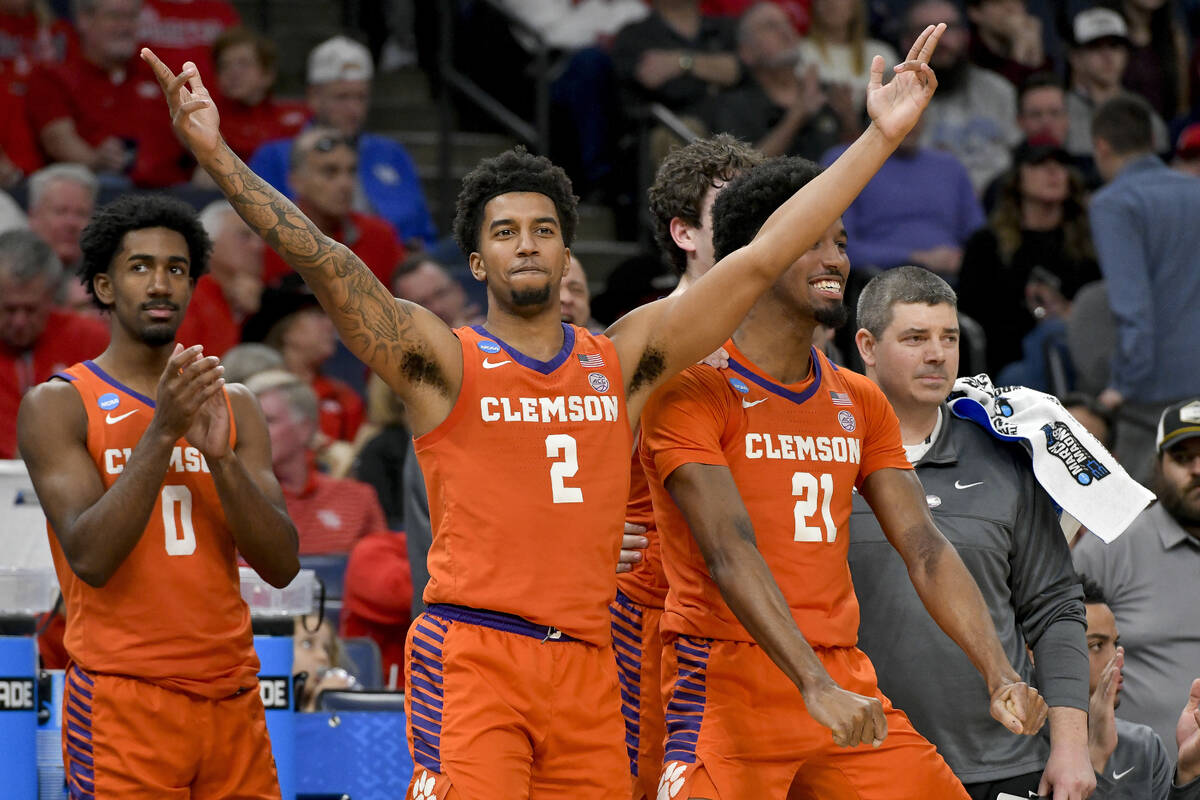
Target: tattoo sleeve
x=373, y=324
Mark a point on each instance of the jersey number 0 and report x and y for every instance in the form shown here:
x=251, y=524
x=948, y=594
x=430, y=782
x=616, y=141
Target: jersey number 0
x=177, y=503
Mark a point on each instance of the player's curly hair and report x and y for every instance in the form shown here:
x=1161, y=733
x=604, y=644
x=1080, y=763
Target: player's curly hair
x=102, y=237
x=744, y=205
x=512, y=171
x=682, y=180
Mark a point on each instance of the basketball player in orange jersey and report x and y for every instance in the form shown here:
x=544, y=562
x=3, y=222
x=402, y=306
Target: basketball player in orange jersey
x=513, y=687
x=751, y=468
x=154, y=475
x=681, y=199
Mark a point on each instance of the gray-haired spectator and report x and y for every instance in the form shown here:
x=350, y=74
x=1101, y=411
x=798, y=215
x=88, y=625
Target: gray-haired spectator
x=61, y=200
x=1149, y=577
x=246, y=360
x=36, y=339
x=231, y=290
x=1146, y=236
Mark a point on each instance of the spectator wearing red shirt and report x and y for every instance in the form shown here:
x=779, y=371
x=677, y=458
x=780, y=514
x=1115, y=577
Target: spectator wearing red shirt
x=29, y=35
x=184, y=30
x=330, y=514
x=292, y=322
x=378, y=599
x=62, y=198
x=36, y=340
x=103, y=108
x=323, y=170
x=246, y=73
x=231, y=290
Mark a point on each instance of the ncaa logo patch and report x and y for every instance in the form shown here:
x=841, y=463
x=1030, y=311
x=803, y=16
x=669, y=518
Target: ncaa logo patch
x=739, y=384
x=488, y=346
x=108, y=402
x=598, y=381
x=846, y=420
x=932, y=500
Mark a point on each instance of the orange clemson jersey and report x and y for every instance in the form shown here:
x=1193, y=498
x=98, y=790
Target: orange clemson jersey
x=172, y=614
x=527, y=480
x=646, y=583
x=796, y=453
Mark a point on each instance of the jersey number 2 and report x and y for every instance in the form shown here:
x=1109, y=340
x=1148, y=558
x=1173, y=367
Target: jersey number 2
x=557, y=443
x=173, y=498
x=813, y=491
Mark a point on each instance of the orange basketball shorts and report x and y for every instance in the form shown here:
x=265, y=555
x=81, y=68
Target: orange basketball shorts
x=499, y=707
x=738, y=727
x=127, y=738
x=637, y=643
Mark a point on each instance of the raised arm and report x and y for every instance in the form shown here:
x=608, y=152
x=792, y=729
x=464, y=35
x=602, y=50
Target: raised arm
x=408, y=346
x=709, y=500
x=950, y=594
x=98, y=529
x=662, y=338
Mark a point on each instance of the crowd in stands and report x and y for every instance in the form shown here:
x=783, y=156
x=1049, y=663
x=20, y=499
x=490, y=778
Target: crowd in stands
x=1054, y=181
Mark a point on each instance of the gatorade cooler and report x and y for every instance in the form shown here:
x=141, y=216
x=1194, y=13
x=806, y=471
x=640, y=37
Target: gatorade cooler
x=271, y=612
x=24, y=592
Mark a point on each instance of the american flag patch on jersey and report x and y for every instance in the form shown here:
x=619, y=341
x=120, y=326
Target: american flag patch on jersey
x=590, y=360
x=840, y=399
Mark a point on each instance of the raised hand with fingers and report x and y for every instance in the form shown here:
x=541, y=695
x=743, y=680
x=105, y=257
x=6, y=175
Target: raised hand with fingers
x=895, y=107
x=193, y=113
x=1102, y=717
x=1019, y=707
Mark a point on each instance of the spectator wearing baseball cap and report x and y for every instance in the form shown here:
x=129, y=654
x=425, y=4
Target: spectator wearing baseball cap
x=1149, y=577
x=1098, y=56
x=1187, y=150
x=339, y=94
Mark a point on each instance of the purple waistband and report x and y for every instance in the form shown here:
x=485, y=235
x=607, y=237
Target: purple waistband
x=497, y=620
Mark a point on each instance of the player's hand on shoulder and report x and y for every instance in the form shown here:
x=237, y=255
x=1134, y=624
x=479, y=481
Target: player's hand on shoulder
x=1019, y=707
x=719, y=358
x=189, y=381
x=852, y=718
x=1187, y=736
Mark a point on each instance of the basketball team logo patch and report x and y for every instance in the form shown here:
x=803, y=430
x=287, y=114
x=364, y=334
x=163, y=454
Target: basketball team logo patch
x=598, y=381
x=739, y=384
x=846, y=420
x=488, y=346
x=108, y=402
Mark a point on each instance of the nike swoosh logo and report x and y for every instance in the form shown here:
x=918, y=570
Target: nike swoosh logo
x=1118, y=775
x=748, y=404
x=961, y=485
x=110, y=419
x=489, y=365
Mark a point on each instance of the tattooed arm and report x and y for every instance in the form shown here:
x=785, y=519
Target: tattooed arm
x=407, y=345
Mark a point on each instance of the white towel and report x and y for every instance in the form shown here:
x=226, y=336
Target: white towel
x=1076, y=471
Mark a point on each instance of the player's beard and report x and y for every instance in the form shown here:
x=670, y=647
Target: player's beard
x=158, y=335
x=523, y=298
x=832, y=316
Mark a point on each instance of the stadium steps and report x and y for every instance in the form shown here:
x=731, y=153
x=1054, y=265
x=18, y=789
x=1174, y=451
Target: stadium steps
x=402, y=107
